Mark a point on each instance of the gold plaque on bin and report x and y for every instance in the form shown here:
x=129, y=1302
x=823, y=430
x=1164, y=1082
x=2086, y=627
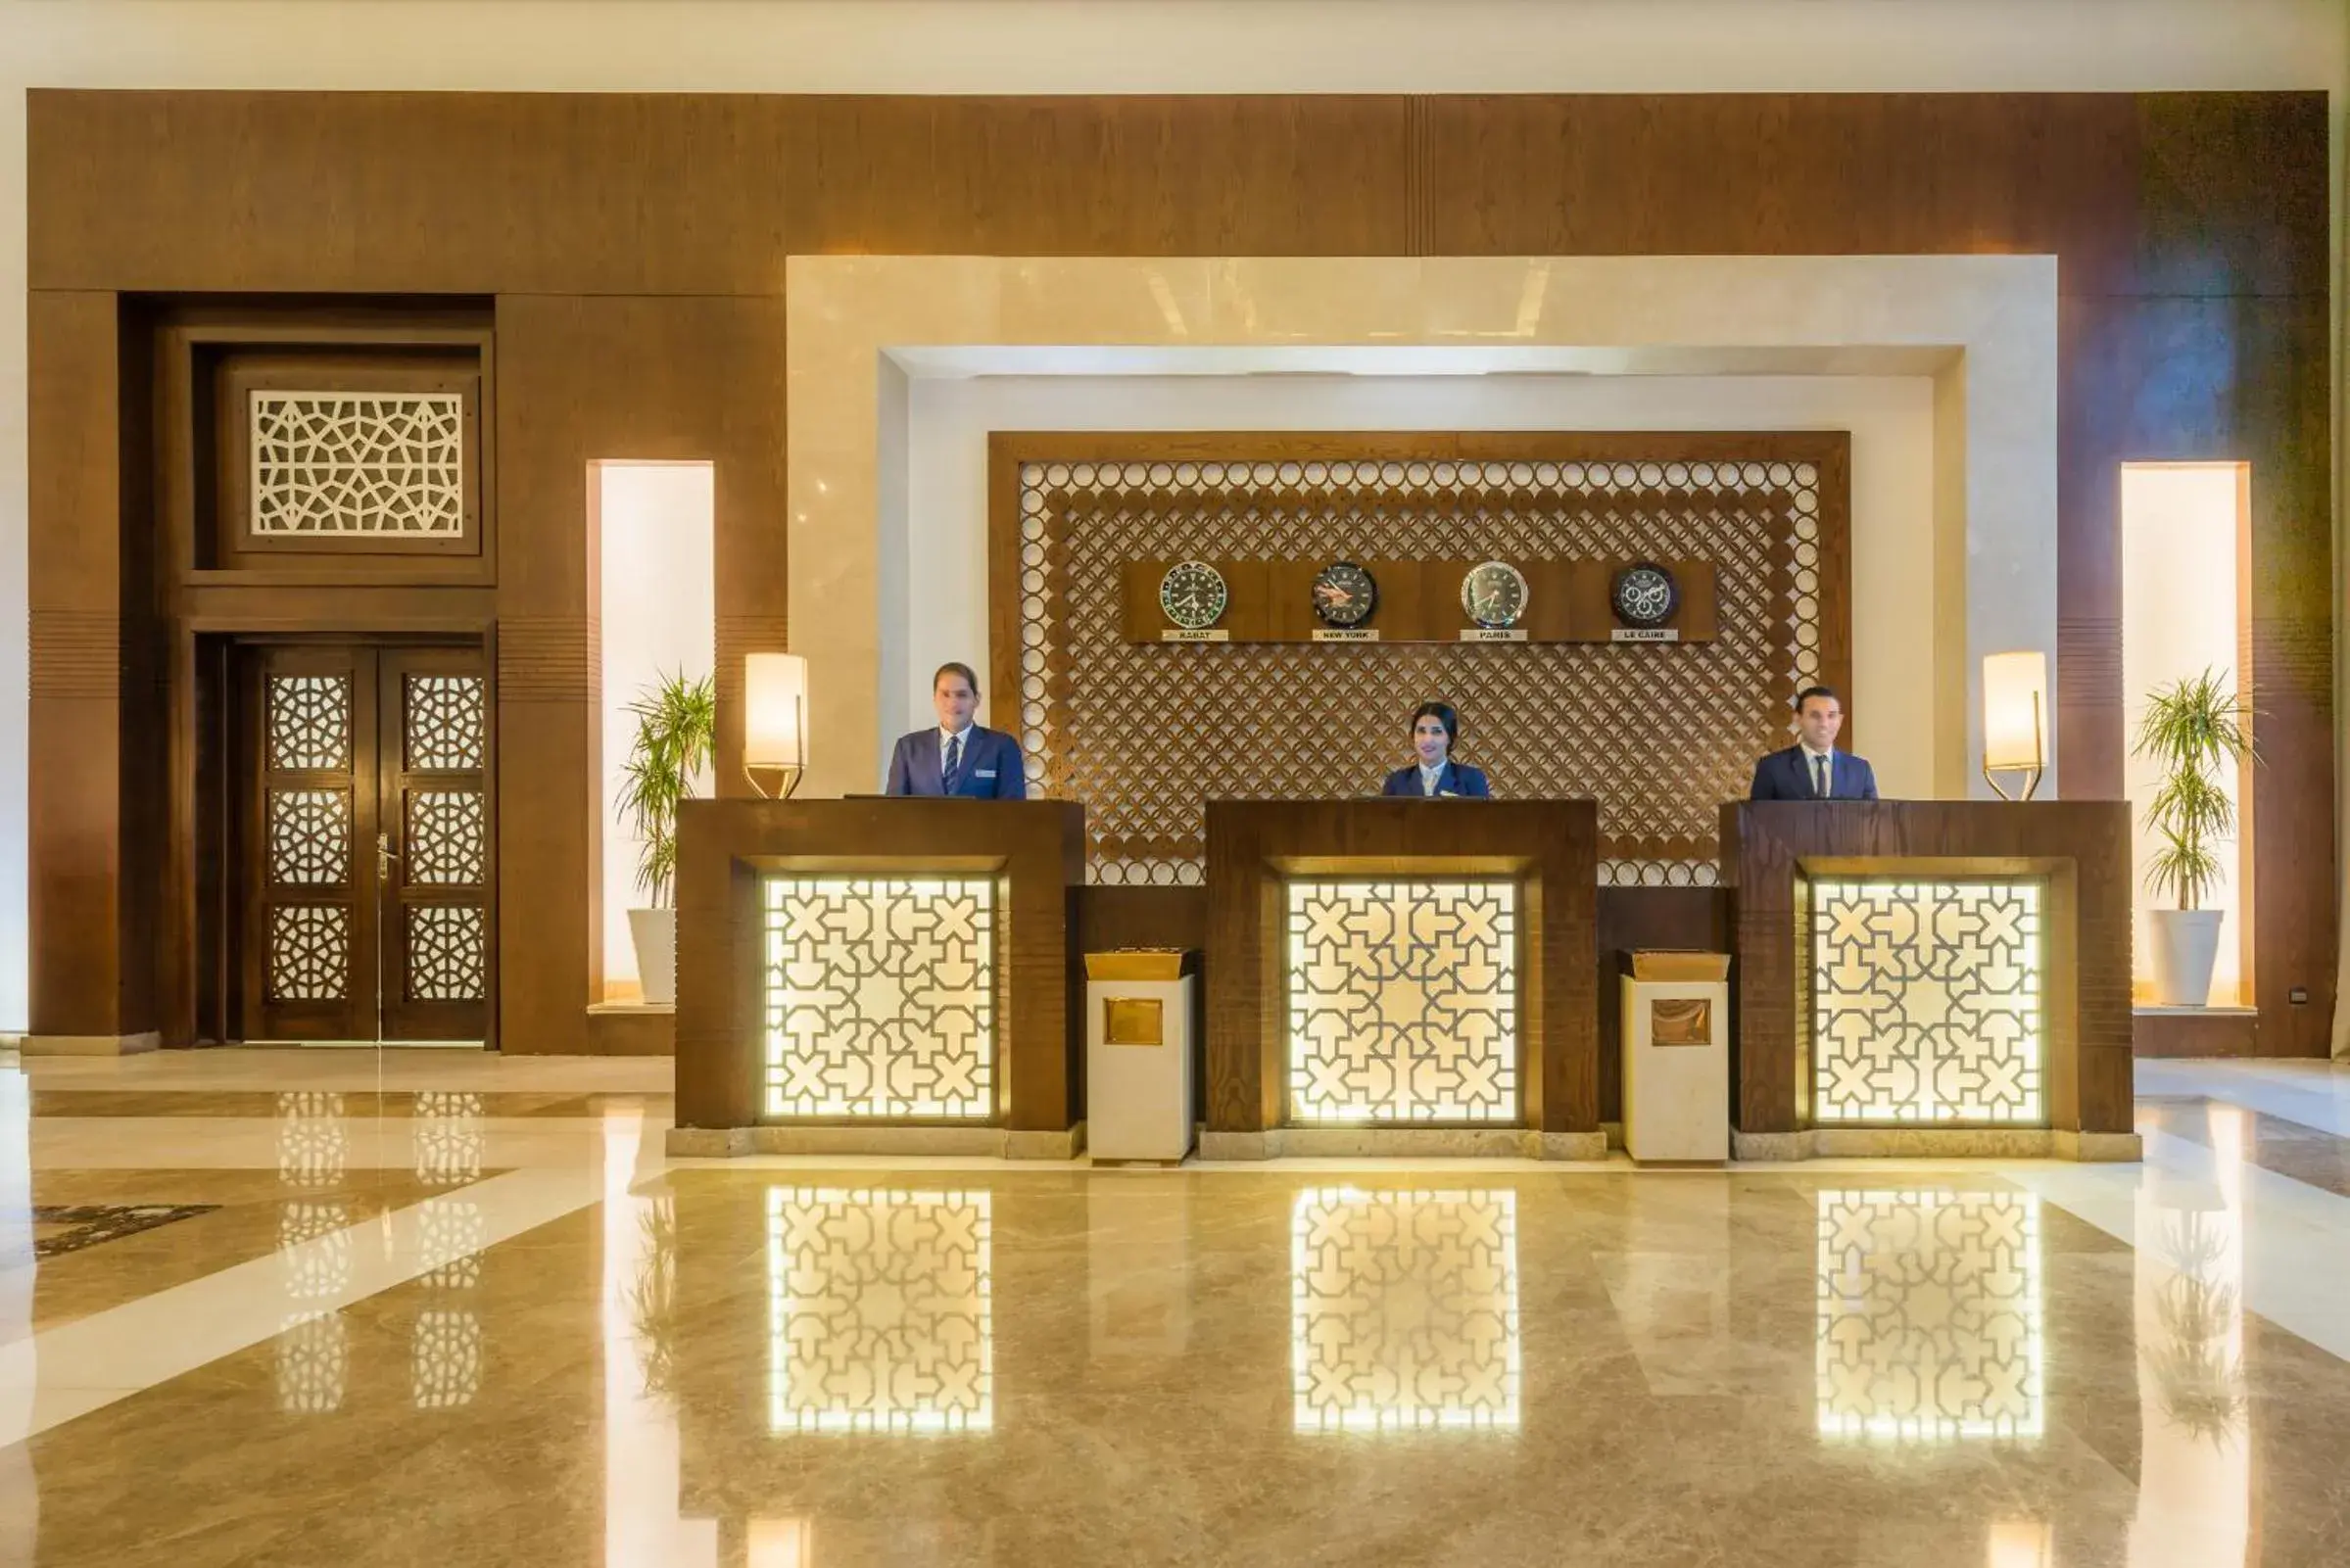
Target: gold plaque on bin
x=1681, y=1021
x=1131, y=1020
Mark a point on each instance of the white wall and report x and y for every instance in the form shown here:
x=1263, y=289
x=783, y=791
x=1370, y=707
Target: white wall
x=1891, y=418
x=1048, y=46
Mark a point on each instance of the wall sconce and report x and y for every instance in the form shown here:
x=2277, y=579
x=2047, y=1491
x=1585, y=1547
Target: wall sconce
x=775, y=722
x=2015, y=719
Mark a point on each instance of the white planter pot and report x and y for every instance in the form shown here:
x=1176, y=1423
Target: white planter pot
x=2186, y=943
x=655, y=933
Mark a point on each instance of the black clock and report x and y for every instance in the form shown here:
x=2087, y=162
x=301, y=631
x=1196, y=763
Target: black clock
x=1494, y=594
x=1192, y=595
x=1344, y=594
x=1644, y=594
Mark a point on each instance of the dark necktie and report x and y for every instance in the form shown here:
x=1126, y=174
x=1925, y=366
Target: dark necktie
x=1819, y=776
x=954, y=765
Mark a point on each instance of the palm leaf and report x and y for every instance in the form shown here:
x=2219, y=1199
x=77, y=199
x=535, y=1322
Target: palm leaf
x=677, y=724
x=2191, y=729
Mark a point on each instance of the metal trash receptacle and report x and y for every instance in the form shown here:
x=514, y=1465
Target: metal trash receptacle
x=1141, y=1017
x=1676, y=1044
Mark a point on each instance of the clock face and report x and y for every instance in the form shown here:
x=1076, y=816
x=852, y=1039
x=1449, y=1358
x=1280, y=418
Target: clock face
x=1344, y=594
x=1644, y=594
x=1193, y=595
x=1494, y=594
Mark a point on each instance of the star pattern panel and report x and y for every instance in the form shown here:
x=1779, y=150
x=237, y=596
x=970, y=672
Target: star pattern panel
x=1658, y=735
x=880, y=997
x=880, y=1311
x=310, y=837
x=448, y=839
x=445, y=730
x=1404, y=1311
x=309, y=953
x=1929, y=1317
x=309, y=722
x=446, y=959
x=1403, y=1001
x=357, y=464
x=1928, y=1002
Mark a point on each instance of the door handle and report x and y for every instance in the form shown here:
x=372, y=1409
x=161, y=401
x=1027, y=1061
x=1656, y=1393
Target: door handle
x=383, y=852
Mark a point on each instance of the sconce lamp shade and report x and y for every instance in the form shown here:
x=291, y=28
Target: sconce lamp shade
x=775, y=710
x=2015, y=712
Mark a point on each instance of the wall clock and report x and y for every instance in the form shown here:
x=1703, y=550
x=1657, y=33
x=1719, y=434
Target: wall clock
x=1193, y=595
x=1644, y=594
x=1344, y=594
x=1494, y=594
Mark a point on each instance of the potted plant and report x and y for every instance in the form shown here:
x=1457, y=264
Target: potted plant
x=2192, y=727
x=676, y=725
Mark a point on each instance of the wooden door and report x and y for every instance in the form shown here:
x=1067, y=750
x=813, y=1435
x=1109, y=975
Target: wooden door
x=364, y=860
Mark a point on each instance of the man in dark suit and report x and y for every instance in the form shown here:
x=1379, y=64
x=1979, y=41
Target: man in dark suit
x=957, y=757
x=1812, y=769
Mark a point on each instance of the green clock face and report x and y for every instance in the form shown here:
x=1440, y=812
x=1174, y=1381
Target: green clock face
x=1193, y=595
x=1344, y=594
x=1494, y=594
x=1644, y=594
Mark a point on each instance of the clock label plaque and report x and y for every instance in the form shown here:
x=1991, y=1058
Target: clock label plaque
x=1493, y=634
x=1211, y=634
x=1344, y=633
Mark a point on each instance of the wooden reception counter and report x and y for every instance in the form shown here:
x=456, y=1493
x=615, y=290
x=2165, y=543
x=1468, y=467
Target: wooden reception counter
x=877, y=976
x=1932, y=977
x=1399, y=976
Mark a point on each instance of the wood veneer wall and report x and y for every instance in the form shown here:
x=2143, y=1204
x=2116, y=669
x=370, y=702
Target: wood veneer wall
x=2191, y=231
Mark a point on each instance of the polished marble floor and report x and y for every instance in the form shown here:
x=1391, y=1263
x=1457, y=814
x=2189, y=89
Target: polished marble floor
x=353, y=1307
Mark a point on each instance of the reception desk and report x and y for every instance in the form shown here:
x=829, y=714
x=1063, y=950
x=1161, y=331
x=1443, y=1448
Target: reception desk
x=1924, y=978
x=876, y=977
x=1401, y=977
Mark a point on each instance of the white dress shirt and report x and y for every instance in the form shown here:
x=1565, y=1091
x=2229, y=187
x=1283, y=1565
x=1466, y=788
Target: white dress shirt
x=946, y=738
x=1429, y=777
x=1812, y=772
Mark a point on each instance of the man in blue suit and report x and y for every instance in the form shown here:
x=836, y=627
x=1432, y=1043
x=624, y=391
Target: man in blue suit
x=1812, y=769
x=958, y=757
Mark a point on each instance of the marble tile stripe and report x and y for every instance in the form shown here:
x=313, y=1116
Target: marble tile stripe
x=361, y=1103
x=362, y=1143
x=60, y=1374
x=2314, y=1094
x=2310, y=1156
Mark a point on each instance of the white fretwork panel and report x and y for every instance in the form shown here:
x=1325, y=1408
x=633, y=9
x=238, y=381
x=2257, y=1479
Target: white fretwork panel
x=446, y=957
x=1403, y=1001
x=1927, y=1001
x=310, y=952
x=358, y=464
x=1658, y=735
x=880, y=996
x=1404, y=1311
x=443, y=723
x=880, y=1316
x=1930, y=1315
x=309, y=722
x=310, y=837
x=447, y=837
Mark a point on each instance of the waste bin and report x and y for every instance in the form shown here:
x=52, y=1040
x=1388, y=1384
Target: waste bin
x=1141, y=1011
x=1676, y=1043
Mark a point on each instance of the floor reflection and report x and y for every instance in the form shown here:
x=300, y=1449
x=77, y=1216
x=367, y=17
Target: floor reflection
x=1404, y=1311
x=879, y=1310
x=1929, y=1317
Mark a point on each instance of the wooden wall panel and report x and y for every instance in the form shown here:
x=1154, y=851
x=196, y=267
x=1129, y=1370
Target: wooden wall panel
x=676, y=379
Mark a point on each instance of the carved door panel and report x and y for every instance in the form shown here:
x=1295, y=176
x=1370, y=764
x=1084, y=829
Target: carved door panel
x=364, y=857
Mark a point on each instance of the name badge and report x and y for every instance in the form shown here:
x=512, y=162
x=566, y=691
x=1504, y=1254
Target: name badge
x=982, y=773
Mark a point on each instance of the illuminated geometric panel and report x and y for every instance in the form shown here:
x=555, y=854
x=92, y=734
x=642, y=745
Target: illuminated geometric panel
x=1403, y=1002
x=359, y=466
x=311, y=1363
x=311, y=1143
x=880, y=996
x=309, y=953
x=878, y=1312
x=447, y=840
x=310, y=837
x=443, y=729
x=1927, y=1001
x=309, y=722
x=1404, y=1311
x=446, y=959
x=444, y=1359
x=1930, y=1315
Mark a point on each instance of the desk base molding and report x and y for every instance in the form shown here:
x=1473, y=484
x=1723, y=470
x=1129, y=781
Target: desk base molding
x=994, y=1143
x=1938, y=1143
x=1402, y=1143
x=89, y=1044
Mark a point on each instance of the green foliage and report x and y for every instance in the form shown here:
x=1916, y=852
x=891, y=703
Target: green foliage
x=677, y=722
x=2192, y=729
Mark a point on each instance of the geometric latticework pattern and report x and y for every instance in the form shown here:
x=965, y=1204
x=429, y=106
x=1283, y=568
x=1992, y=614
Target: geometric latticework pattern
x=310, y=837
x=1404, y=1311
x=313, y=1249
x=444, y=723
x=444, y=1359
x=446, y=961
x=1403, y=1001
x=447, y=837
x=311, y=1143
x=1658, y=735
x=448, y=1136
x=1930, y=1315
x=310, y=952
x=309, y=722
x=878, y=1312
x=311, y=1360
x=1928, y=1000
x=359, y=466
x=880, y=996
x=451, y=1233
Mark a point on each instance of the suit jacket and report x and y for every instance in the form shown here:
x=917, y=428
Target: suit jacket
x=1457, y=778
x=991, y=766
x=1787, y=776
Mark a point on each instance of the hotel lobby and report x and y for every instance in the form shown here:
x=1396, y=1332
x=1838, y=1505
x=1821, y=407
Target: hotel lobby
x=826, y=782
